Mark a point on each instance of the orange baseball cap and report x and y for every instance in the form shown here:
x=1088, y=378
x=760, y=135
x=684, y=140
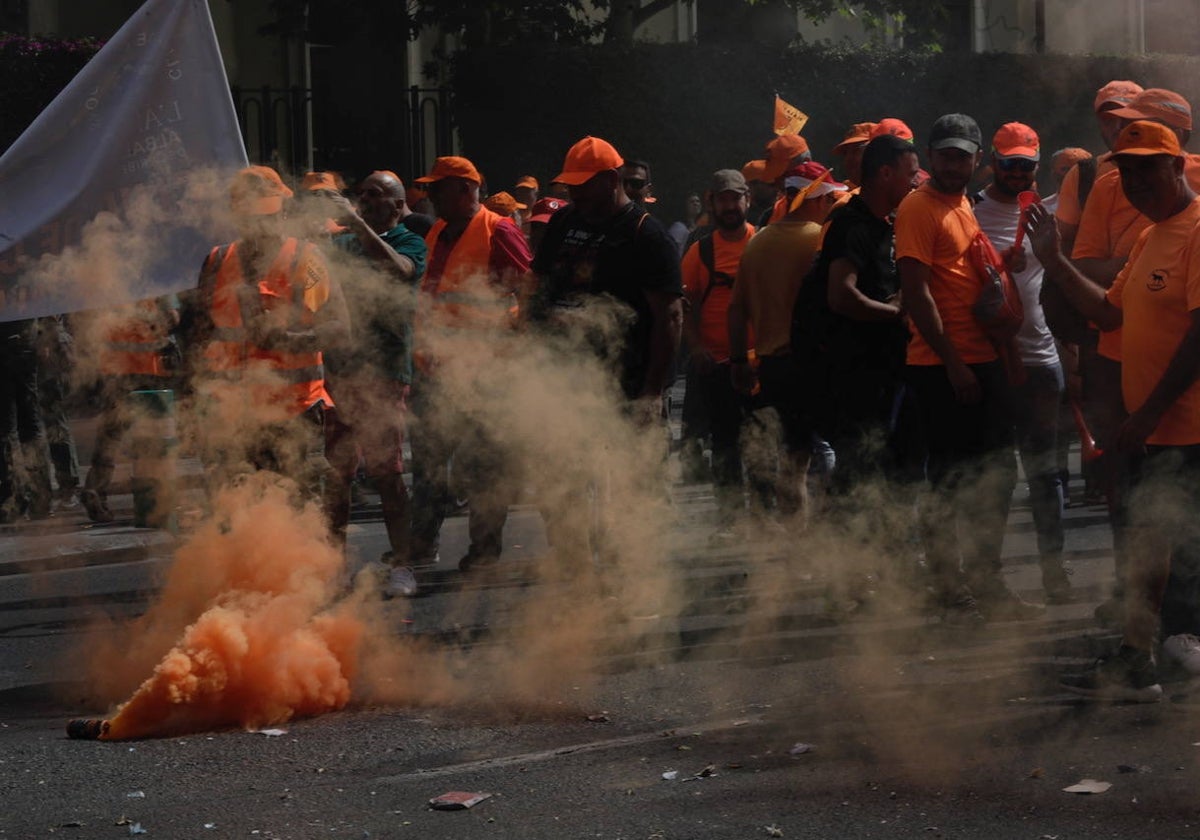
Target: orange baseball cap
x=1166, y=106
x=893, y=126
x=753, y=170
x=781, y=152
x=858, y=133
x=451, y=167
x=314, y=181
x=527, y=181
x=586, y=159
x=1117, y=92
x=1147, y=138
x=503, y=203
x=1018, y=140
x=258, y=191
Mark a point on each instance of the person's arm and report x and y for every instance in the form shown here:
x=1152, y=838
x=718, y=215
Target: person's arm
x=740, y=370
x=845, y=298
x=1085, y=295
x=666, y=326
x=922, y=309
x=374, y=248
x=1101, y=272
x=1181, y=372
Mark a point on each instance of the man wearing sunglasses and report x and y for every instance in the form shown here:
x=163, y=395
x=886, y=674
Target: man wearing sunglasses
x=1016, y=152
x=635, y=178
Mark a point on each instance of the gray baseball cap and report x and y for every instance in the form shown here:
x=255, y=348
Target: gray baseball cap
x=728, y=180
x=955, y=131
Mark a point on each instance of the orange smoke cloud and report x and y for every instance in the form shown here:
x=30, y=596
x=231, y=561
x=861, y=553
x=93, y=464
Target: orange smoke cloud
x=266, y=646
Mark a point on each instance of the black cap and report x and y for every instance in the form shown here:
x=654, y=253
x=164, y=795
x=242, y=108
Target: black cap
x=955, y=131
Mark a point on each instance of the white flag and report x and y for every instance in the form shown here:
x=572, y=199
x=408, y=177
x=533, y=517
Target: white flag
x=151, y=108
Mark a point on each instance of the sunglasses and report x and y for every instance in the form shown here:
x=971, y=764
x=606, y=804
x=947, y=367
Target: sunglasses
x=1015, y=165
x=636, y=183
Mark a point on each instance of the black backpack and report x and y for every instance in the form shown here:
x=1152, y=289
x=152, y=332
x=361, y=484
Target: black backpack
x=709, y=259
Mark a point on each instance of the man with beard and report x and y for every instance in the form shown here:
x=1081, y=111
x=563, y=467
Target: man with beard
x=959, y=383
x=1036, y=401
x=709, y=268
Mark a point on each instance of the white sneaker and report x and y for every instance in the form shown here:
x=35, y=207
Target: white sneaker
x=401, y=583
x=1184, y=648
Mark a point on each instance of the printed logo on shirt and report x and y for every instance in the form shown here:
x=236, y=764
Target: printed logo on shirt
x=1158, y=280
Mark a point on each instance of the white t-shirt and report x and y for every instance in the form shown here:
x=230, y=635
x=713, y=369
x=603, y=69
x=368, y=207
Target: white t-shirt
x=1034, y=341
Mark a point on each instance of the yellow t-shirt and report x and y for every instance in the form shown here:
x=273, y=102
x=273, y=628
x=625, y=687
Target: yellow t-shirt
x=1156, y=290
x=768, y=280
x=936, y=229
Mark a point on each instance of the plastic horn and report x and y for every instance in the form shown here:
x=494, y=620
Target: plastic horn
x=1088, y=450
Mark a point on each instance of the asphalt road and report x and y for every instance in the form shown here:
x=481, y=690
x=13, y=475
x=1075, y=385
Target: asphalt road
x=912, y=729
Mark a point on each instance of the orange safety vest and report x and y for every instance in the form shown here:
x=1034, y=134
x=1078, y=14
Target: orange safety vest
x=463, y=296
x=132, y=343
x=229, y=352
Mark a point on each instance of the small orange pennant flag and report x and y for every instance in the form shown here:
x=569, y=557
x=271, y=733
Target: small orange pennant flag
x=788, y=118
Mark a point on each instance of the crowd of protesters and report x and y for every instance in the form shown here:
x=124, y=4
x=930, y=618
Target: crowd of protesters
x=895, y=336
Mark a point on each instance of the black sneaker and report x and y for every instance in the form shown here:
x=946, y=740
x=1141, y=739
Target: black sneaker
x=1129, y=676
x=476, y=560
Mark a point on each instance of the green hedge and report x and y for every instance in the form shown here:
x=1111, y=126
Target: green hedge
x=35, y=70
x=691, y=109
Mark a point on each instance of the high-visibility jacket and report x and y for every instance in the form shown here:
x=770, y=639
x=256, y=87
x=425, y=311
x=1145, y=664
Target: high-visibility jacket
x=230, y=352
x=132, y=342
x=463, y=295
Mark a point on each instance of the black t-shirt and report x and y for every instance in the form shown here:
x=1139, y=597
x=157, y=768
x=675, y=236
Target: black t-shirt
x=621, y=258
x=859, y=236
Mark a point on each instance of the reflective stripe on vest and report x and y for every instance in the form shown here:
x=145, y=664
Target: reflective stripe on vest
x=131, y=344
x=229, y=353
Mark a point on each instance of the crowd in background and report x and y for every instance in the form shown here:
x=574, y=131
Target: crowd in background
x=872, y=351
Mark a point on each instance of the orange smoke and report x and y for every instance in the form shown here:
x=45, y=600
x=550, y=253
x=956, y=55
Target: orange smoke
x=263, y=645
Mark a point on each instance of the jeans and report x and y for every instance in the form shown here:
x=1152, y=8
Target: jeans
x=1035, y=410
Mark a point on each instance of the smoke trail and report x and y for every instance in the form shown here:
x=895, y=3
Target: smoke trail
x=266, y=646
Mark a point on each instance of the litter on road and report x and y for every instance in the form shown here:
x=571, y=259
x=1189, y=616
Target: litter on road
x=457, y=800
x=1088, y=786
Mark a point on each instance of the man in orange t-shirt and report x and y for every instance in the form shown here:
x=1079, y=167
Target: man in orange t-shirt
x=709, y=268
x=1108, y=229
x=1156, y=298
x=959, y=383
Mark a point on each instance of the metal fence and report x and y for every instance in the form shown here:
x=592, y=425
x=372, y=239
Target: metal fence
x=279, y=125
